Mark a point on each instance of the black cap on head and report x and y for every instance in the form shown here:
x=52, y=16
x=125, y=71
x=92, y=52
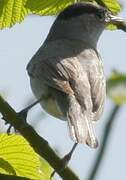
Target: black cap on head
x=78, y=9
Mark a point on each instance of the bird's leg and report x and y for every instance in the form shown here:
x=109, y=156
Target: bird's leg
x=23, y=114
x=66, y=159
x=68, y=156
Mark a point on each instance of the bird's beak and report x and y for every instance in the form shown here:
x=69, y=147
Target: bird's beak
x=115, y=19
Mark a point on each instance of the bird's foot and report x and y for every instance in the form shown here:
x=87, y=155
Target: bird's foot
x=9, y=128
x=66, y=159
x=23, y=114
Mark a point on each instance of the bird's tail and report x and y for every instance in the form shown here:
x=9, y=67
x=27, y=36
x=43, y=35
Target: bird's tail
x=80, y=125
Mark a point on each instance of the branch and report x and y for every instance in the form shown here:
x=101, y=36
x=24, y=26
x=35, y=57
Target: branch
x=12, y=177
x=122, y=26
x=108, y=129
x=39, y=144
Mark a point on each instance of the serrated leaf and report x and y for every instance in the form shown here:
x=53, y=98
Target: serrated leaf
x=116, y=87
x=112, y=5
x=2, y=3
x=12, y=11
x=50, y=7
x=53, y=7
x=18, y=158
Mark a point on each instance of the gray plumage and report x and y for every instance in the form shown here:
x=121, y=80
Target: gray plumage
x=67, y=71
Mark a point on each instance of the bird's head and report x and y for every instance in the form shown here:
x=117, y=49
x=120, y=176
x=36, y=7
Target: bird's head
x=84, y=21
x=88, y=13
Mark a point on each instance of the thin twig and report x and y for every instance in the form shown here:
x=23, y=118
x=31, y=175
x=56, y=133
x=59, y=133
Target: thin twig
x=108, y=129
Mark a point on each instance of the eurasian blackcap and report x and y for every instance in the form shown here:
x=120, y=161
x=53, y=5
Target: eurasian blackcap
x=67, y=74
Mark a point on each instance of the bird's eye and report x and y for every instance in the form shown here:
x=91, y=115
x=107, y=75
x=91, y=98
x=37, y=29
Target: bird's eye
x=101, y=15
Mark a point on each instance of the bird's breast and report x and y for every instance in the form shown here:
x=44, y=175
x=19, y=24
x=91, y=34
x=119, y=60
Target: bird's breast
x=48, y=103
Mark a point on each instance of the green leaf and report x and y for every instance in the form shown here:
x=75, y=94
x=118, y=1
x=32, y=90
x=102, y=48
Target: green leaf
x=53, y=7
x=111, y=27
x=112, y=5
x=12, y=11
x=18, y=158
x=116, y=87
x=50, y=7
x=1, y=6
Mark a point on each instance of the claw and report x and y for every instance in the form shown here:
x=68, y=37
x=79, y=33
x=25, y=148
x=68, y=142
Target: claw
x=9, y=129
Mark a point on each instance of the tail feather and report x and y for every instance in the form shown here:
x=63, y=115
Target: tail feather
x=80, y=125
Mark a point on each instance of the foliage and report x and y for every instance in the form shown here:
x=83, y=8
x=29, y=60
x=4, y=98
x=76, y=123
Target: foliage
x=12, y=11
x=18, y=158
x=53, y=7
x=112, y=5
x=116, y=87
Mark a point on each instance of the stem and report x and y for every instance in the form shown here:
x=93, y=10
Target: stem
x=103, y=147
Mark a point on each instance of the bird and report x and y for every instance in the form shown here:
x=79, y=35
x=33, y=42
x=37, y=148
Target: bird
x=66, y=73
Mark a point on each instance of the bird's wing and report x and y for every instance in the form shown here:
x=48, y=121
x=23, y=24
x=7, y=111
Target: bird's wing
x=98, y=88
x=67, y=75
x=80, y=116
x=51, y=72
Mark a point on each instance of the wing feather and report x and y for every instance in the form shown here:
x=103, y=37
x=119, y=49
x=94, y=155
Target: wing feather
x=98, y=88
